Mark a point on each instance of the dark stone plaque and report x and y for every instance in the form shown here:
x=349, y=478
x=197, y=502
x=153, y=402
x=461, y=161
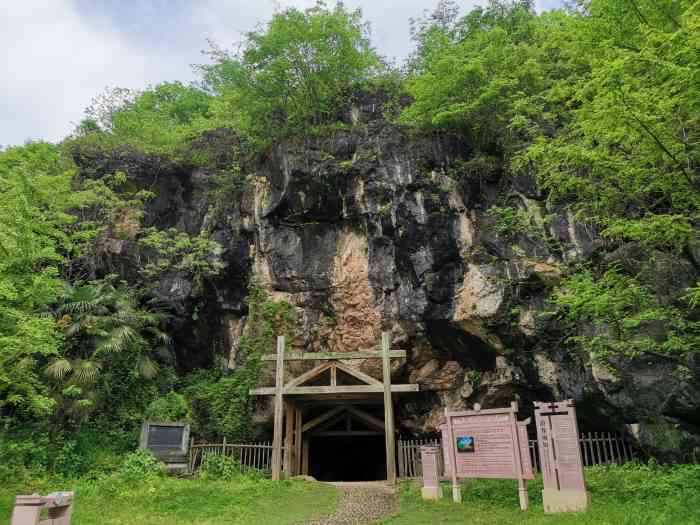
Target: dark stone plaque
x=162, y=437
x=169, y=442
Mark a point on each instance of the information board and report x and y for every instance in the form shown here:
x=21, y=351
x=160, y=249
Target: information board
x=487, y=443
x=493, y=451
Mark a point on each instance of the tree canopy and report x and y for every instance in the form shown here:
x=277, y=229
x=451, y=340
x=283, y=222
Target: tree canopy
x=601, y=105
x=293, y=74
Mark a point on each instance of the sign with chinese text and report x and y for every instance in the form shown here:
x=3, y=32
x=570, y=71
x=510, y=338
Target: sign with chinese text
x=560, y=457
x=492, y=452
x=489, y=443
x=431, y=482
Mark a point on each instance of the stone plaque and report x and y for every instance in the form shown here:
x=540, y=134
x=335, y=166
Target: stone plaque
x=169, y=442
x=487, y=443
x=560, y=457
x=429, y=460
x=160, y=436
x=431, y=481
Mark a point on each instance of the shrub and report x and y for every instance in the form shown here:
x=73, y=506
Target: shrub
x=170, y=407
x=220, y=468
x=141, y=464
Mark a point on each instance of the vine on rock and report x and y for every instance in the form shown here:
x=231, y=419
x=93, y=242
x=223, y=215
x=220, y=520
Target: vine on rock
x=224, y=407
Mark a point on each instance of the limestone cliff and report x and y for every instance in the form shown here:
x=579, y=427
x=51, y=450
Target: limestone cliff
x=375, y=227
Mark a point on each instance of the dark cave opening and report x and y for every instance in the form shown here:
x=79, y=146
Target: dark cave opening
x=454, y=344
x=347, y=458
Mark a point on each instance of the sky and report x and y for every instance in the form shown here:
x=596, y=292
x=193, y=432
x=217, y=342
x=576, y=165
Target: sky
x=57, y=55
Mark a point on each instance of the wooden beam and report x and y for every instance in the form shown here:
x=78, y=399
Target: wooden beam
x=331, y=401
x=357, y=374
x=334, y=374
x=369, y=419
x=289, y=417
x=339, y=389
x=311, y=356
x=277, y=431
x=323, y=417
x=353, y=389
x=345, y=433
x=306, y=376
x=328, y=425
x=389, y=437
x=297, y=442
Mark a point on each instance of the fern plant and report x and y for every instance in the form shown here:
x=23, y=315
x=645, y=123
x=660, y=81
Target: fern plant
x=100, y=320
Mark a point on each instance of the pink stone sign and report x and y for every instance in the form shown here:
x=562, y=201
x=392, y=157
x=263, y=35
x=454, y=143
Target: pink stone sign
x=488, y=443
x=28, y=509
x=560, y=457
x=431, y=481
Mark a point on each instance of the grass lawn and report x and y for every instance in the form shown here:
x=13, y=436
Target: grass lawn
x=631, y=495
x=171, y=501
x=628, y=495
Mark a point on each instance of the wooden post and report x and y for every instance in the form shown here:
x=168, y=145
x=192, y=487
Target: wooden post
x=297, y=442
x=388, y=411
x=305, y=458
x=289, y=440
x=522, y=487
x=456, y=489
x=277, y=432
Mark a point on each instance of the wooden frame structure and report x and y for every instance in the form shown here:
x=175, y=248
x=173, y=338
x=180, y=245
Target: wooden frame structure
x=291, y=398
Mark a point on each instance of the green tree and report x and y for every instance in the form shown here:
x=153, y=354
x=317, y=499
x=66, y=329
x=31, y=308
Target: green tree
x=601, y=104
x=293, y=74
x=475, y=74
x=629, y=152
x=37, y=235
x=159, y=121
x=103, y=323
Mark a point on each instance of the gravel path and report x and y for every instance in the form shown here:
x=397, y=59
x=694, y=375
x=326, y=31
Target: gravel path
x=362, y=503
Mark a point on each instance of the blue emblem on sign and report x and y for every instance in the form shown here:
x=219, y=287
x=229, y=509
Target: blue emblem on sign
x=465, y=444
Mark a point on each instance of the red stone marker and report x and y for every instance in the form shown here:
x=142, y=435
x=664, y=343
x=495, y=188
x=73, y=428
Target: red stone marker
x=560, y=456
x=488, y=443
x=431, y=482
x=28, y=509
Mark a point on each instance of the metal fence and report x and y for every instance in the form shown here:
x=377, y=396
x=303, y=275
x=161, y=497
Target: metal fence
x=250, y=456
x=597, y=448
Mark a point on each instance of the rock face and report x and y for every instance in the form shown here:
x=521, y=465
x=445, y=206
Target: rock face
x=371, y=229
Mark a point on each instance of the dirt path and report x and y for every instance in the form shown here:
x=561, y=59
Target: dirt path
x=362, y=503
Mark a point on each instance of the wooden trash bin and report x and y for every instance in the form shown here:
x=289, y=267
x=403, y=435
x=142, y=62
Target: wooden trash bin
x=28, y=509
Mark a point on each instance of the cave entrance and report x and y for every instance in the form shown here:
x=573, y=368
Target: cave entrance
x=330, y=401
x=348, y=458
x=350, y=446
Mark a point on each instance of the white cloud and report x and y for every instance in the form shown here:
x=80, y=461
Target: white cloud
x=56, y=55
x=54, y=63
